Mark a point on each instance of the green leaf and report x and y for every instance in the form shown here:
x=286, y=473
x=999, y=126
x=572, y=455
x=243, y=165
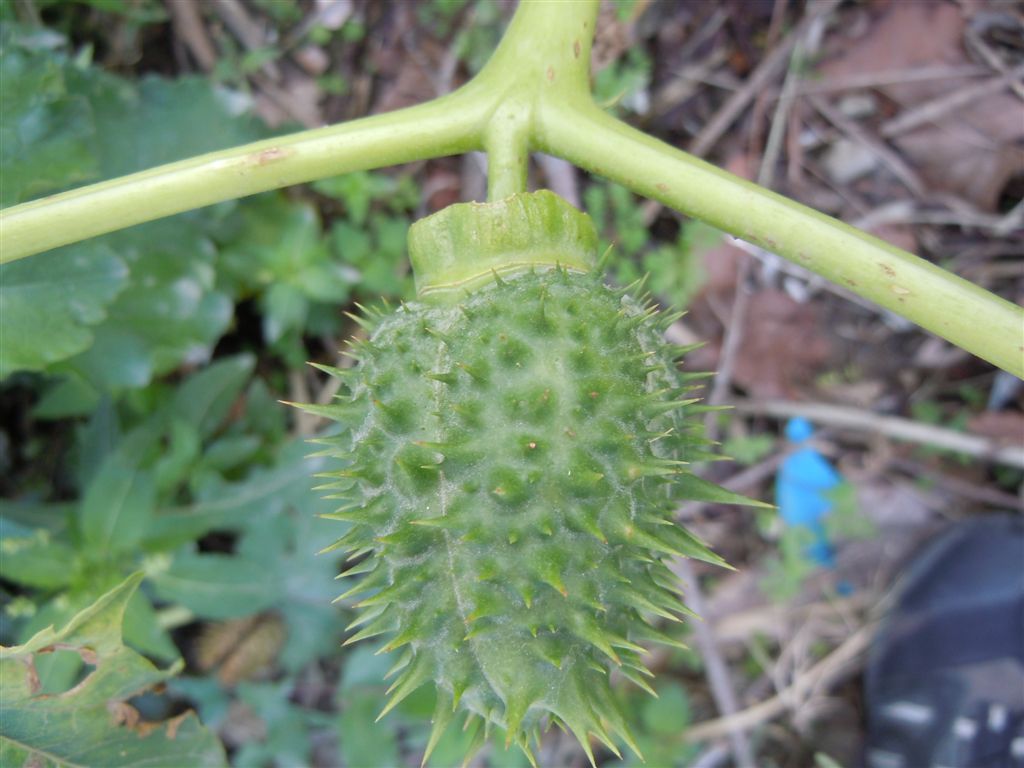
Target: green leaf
x=275, y=248
x=677, y=271
x=46, y=132
x=143, y=632
x=32, y=557
x=287, y=740
x=208, y=695
x=284, y=309
x=269, y=239
x=159, y=121
x=59, y=305
x=847, y=520
x=93, y=723
x=669, y=714
x=624, y=82
x=117, y=506
x=255, y=500
x=58, y=671
x=377, y=254
x=171, y=314
x=204, y=400
x=54, y=517
x=51, y=300
x=823, y=760
x=230, y=452
x=177, y=460
x=67, y=397
x=95, y=440
x=218, y=586
x=63, y=123
x=361, y=741
x=275, y=564
x=748, y=449
x=357, y=191
x=264, y=415
x=287, y=544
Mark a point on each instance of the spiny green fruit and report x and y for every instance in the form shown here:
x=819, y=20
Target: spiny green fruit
x=515, y=448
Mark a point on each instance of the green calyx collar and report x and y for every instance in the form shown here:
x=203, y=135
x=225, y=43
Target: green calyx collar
x=469, y=245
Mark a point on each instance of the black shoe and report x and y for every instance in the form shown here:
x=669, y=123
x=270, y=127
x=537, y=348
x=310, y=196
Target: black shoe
x=945, y=678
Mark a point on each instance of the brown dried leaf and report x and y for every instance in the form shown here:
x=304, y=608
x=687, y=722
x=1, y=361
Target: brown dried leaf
x=971, y=152
x=899, y=36
x=782, y=348
x=240, y=648
x=964, y=156
x=1006, y=427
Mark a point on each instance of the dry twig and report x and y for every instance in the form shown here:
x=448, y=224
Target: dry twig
x=977, y=42
x=896, y=164
x=248, y=32
x=766, y=70
x=716, y=670
x=859, y=420
x=861, y=80
x=932, y=110
x=822, y=675
x=188, y=25
x=730, y=348
x=981, y=494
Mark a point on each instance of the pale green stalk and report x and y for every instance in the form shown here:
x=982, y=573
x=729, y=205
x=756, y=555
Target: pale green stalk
x=939, y=301
x=447, y=126
x=534, y=95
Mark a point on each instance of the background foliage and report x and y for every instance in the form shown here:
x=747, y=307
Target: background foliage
x=154, y=488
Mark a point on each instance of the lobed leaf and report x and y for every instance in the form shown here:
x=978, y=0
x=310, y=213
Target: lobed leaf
x=117, y=506
x=29, y=555
x=46, y=130
x=94, y=723
x=135, y=304
x=218, y=586
x=52, y=303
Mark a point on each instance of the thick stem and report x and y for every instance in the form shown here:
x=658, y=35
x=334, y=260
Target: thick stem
x=949, y=306
x=546, y=48
x=447, y=126
x=534, y=95
x=544, y=53
x=508, y=150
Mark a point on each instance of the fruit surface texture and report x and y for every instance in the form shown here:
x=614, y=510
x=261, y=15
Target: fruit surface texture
x=512, y=460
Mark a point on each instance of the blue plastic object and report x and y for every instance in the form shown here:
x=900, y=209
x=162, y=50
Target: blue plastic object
x=801, y=489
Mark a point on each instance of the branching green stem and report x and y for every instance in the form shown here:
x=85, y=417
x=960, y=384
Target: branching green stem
x=446, y=126
x=534, y=95
x=935, y=299
x=508, y=149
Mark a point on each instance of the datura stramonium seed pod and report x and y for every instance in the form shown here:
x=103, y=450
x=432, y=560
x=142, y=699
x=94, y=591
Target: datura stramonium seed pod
x=515, y=444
